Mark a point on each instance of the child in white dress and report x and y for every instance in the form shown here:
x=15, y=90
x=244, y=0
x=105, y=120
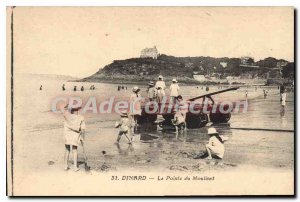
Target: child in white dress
x=74, y=130
x=215, y=147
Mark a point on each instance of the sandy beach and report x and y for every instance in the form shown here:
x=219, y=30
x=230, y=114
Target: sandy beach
x=39, y=147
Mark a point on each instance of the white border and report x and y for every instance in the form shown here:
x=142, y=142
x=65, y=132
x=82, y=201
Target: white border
x=4, y=3
x=151, y=3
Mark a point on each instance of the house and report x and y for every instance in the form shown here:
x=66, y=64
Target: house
x=149, y=53
x=223, y=64
x=247, y=60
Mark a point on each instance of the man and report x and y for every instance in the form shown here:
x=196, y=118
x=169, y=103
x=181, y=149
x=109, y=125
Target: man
x=174, y=90
x=161, y=84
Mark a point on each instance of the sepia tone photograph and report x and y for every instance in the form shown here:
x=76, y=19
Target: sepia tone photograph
x=150, y=101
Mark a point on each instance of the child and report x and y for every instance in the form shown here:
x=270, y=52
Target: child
x=124, y=125
x=74, y=129
x=151, y=91
x=179, y=119
x=161, y=84
x=174, y=90
x=215, y=147
x=160, y=94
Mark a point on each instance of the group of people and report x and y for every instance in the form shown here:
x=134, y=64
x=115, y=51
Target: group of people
x=122, y=88
x=75, y=88
x=92, y=87
x=156, y=92
x=63, y=87
x=214, y=148
x=74, y=124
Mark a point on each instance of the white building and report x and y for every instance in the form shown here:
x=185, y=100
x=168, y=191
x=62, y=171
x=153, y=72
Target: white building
x=247, y=60
x=149, y=53
x=223, y=64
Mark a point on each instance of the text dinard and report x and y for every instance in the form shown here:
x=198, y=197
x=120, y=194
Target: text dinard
x=162, y=178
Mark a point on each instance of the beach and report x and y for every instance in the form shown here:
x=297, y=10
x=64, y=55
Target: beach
x=39, y=147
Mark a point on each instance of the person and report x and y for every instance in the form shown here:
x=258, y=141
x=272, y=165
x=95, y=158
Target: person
x=75, y=88
x=161, y=84
x=179, y=100
x=207, y=88
x=179, y=119
x=74, y=132
x=135, y=104
x=151, y=91
x=283, y=102
x=159, y=94
x=282, y=89
x=41, y=87
x=174, y=90
x=265, y=93
x=63, y=87
x=215, y=147
x=246, y=94
x=82, y=89
x=124, y=126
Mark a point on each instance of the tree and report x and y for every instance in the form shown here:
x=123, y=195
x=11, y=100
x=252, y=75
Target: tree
x=289, y=70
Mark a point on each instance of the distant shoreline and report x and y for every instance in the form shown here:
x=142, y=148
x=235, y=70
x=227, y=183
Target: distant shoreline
x=145, y=82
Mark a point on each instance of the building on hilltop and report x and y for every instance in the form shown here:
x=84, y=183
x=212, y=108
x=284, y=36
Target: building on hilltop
x=149, y=53
x=247, y=60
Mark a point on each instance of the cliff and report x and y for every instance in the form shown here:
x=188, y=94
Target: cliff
x=136, y=70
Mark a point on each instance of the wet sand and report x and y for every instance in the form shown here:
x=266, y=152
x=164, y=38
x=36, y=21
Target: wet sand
x=39, y=147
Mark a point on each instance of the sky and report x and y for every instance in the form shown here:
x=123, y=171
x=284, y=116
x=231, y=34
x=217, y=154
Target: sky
x=77, y=41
